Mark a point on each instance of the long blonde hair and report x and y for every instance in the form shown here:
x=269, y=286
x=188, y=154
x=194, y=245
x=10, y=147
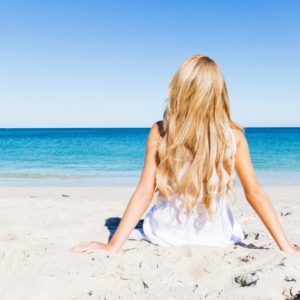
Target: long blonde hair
x=196, y=125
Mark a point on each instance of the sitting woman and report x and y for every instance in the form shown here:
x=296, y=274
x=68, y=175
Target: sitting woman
x=191, y=156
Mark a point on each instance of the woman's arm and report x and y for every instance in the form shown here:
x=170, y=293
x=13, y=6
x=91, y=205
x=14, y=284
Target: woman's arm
x=257, y=197
x=138, y=204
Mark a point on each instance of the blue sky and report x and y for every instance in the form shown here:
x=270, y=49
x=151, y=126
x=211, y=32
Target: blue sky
x=108, y=63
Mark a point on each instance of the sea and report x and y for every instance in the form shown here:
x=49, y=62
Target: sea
x=115, y=156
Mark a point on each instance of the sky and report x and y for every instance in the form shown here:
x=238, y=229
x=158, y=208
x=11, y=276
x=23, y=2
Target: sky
x=108, y=63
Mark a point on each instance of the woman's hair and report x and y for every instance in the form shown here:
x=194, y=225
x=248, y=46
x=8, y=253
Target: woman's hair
x=196, y=129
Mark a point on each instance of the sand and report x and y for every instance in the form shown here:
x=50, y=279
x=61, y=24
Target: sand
x=38, y=226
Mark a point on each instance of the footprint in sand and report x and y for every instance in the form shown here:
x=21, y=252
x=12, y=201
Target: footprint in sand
x=247, y=258
x=247, y=279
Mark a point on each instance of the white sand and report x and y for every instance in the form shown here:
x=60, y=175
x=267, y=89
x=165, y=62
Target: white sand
x=38, y=226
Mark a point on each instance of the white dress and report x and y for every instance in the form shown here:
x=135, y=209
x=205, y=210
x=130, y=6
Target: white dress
x=168, y=224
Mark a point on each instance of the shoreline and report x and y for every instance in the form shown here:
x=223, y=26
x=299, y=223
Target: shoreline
x=265, y=178
x=116, y=191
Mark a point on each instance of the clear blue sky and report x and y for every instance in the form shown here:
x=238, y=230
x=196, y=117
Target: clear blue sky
x=108, y=63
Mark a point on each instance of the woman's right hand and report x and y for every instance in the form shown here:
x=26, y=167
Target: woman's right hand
x=292, y=249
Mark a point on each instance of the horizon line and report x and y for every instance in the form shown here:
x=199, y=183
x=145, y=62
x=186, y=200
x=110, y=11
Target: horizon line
x=9, y=128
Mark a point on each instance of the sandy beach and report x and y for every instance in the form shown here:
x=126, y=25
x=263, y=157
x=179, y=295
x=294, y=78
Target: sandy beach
x=40, y=224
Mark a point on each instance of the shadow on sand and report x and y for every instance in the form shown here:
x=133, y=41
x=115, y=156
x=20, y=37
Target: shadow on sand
x=113, y=223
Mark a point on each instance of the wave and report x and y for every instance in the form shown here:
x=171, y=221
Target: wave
x=25, y=175
x=43, y=176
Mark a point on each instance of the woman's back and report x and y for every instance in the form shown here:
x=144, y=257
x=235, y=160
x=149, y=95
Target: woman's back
x=195, y=124
x=168, y=223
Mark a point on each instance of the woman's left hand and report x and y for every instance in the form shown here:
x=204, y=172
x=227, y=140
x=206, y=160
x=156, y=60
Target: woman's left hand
x=90, y=247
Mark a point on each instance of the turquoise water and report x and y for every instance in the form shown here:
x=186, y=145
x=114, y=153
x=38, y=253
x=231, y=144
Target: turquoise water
x=115, y=156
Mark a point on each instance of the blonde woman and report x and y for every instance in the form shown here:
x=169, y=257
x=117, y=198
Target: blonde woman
x=190, y=160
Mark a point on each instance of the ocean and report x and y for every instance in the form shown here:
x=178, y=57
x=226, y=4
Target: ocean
x=115, y=156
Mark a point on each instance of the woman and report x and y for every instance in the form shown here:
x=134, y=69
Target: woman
x=190, y=160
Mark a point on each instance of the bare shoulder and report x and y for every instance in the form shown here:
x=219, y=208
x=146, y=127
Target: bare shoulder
x=238, y=135
x=157, y=130
x=154, y=135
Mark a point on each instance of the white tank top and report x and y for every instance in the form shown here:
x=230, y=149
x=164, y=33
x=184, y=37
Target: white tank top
x=168, y=223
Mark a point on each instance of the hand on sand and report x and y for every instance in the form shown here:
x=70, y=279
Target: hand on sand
x=295, y=249
x=91, y=247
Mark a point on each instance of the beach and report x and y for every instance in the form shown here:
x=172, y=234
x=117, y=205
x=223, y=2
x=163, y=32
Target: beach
x=39, y=225
x=101, y=97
